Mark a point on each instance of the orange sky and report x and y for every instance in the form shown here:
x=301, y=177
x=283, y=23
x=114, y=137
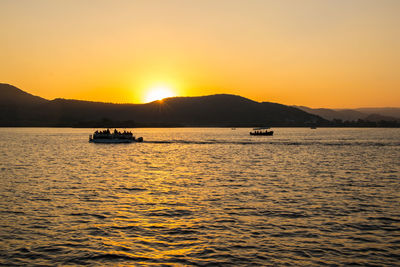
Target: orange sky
x=332, y=53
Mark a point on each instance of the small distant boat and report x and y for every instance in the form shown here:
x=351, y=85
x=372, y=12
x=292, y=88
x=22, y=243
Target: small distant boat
x=262, y=131
x=115, y=137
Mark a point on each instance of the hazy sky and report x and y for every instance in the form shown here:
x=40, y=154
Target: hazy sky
x=318, y=53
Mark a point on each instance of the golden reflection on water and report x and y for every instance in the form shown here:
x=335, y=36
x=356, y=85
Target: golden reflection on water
x=200, y=197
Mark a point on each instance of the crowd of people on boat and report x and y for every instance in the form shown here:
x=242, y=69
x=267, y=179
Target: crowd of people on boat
x=107, y=134
x=260, y=132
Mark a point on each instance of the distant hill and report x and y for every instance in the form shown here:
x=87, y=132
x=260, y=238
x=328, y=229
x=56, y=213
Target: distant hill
x=389, y=112
x=369, y=114
x=19, y=108
x=378, y=117
x=331, y=114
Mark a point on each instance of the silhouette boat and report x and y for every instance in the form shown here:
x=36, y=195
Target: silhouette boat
x=262, y=131
x=115, y=137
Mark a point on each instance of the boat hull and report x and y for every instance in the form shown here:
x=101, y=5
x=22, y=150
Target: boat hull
x=110, y=141
x=115, y=141
x=263, y=133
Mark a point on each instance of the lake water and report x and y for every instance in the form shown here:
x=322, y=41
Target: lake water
x=197, y=196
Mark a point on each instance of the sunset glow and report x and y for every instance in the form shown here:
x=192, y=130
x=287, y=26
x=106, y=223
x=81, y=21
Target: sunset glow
x=332, y=54
x=158, y=93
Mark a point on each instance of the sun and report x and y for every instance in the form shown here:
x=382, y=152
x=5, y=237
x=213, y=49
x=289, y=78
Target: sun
x=158, y=93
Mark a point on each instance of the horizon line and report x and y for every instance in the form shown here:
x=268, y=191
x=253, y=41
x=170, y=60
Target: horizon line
x=131, y=103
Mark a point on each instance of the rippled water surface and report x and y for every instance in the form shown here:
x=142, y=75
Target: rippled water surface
x=196, y=196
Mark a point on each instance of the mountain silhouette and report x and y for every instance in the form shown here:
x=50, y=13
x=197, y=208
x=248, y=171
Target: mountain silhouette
x=389, y=112
x=369, y=114
x=331, y=114
x=11, y=95
x=19, y=108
